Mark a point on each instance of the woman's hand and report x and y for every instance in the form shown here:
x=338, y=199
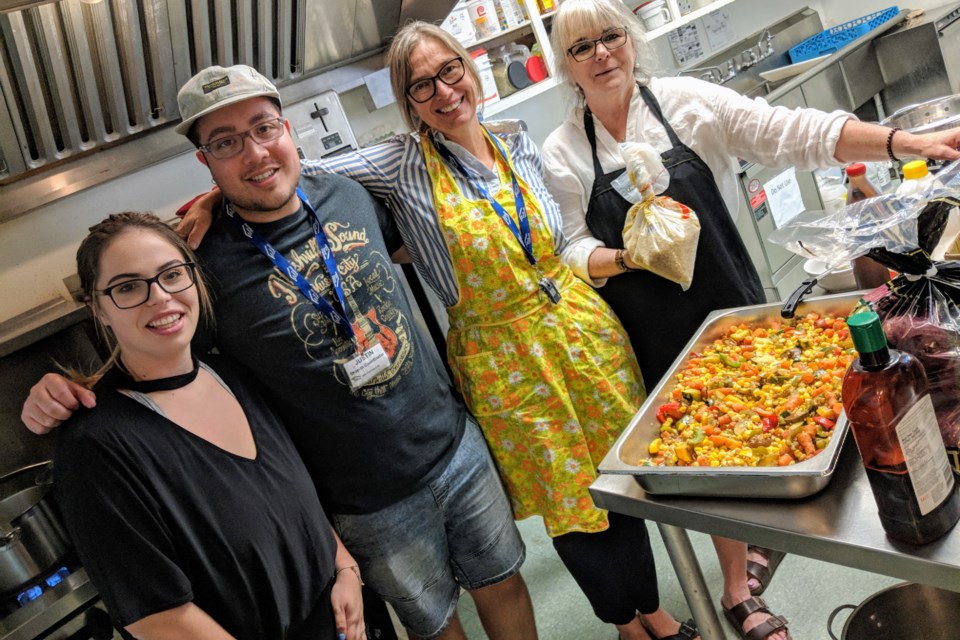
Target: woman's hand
x=196, y=222
x=603, y=263
x=52, y=400
x=940, y=145
x=347, y=602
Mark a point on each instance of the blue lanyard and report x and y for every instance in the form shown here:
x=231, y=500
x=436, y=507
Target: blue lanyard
x=522, y=234
x=338, y=316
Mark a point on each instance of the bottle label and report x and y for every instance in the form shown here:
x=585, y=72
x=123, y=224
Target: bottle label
x=930, y=473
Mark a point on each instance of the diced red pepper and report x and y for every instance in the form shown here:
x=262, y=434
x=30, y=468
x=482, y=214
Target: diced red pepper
x=826, y=423
x=769, y=423
x=668, y=410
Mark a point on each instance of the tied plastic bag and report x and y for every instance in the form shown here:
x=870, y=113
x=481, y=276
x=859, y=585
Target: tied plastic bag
x=921, y=316
x=659, y=233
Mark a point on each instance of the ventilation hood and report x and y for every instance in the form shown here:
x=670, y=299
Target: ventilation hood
x=88, y=89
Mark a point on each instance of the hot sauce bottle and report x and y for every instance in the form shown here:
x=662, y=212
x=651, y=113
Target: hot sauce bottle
x=892, y=418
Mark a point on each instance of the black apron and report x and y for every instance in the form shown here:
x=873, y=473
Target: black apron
x=659, y=316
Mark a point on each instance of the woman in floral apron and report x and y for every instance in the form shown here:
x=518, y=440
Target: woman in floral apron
x=542, y=362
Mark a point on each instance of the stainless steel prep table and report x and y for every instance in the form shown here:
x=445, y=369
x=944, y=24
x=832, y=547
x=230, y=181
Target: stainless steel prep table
x=839, y=525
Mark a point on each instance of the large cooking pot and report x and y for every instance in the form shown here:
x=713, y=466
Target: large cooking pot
x=926, y=117
x=32, y=540
x=907, y=610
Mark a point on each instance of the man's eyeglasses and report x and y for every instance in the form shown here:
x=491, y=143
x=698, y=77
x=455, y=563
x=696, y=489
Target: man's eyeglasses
x=135, y=292
x=586, y=49
x=229, y=146
x=450, y=73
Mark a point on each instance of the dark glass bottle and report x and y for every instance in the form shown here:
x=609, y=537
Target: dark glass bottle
x=886, y=401
x=868, y=273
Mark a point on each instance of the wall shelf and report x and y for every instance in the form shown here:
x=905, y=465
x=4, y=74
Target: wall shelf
x=684, y=19
x=516, y=98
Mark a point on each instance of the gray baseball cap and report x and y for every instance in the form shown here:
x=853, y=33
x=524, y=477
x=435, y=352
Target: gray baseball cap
x=217, y=87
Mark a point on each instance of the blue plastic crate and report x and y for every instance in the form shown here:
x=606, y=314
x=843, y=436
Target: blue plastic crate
x=832, y=39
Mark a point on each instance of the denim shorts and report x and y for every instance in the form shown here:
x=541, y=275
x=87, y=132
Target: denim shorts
x=458, y=531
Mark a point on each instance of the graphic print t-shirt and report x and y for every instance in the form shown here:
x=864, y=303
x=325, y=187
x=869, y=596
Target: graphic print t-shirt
x=368, y=447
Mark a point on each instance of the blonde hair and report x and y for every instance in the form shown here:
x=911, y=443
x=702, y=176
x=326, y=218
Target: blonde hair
x=576, y=19
x=92, y=248
x=398, y=60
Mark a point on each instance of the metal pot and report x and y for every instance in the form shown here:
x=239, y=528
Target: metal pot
x=926, y=117
x=32, y=540
x=907, y=610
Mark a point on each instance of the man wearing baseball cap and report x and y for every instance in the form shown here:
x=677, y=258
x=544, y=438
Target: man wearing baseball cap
x=306, y=297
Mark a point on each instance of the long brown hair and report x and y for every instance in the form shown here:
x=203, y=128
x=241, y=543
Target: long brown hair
x=99, y=238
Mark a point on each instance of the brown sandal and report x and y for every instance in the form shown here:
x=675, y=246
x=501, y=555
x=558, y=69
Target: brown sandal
x=738, y=613
x=763, y=573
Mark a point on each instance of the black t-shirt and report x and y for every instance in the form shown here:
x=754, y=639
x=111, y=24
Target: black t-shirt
x=162, y=517
x=368, y=448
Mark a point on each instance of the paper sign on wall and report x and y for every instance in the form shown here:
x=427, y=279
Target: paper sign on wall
x=784, y=197
x=685, y=43
x=717, y=25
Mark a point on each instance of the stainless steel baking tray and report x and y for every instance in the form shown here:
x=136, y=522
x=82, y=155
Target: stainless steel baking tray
x=795, y=481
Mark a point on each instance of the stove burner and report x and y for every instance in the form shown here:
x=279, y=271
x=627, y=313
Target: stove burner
x=34, y=590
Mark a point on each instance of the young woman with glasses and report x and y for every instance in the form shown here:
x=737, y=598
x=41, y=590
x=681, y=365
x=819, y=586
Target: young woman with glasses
x=700, y=129
x=541, y=361
x=188, y=504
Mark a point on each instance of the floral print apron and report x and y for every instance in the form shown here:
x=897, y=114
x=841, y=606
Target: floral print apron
x=551, y=385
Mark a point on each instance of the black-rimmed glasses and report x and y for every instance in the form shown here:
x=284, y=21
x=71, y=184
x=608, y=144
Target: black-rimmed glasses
x=135, y=292
x=586, y=49
x=425, y=88
x=229, y=146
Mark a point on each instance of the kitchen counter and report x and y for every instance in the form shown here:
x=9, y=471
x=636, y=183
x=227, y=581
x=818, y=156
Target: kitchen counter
x=39, y=323
x=838, y=525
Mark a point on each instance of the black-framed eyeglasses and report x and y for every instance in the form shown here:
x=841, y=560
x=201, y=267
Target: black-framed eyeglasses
x=135, y=292
x=611, y=39
x=450, y=73
x=229, y=146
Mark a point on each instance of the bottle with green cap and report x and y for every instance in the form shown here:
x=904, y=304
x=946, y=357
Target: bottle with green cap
x=890, y=412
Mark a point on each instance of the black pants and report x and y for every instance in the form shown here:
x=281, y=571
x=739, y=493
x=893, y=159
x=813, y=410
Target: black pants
x=614, y=568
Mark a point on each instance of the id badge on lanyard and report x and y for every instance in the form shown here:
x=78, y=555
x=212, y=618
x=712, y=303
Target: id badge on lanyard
x=522, y=233
x=366, y=362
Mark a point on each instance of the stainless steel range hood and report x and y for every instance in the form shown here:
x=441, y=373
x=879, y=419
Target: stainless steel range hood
x=87, y=89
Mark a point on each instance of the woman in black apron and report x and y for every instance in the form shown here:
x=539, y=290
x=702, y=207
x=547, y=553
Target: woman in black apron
x=599, y=45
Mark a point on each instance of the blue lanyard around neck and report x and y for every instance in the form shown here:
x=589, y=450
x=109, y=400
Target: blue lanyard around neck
x=338, y=316
x=521, y=233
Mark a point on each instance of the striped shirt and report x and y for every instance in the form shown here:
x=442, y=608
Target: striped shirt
x=396, y=172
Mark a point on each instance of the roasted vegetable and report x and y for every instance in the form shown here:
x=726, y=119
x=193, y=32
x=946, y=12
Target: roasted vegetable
x=758, y=396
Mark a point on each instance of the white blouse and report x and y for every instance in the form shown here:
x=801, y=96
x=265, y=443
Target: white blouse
x=717, y=123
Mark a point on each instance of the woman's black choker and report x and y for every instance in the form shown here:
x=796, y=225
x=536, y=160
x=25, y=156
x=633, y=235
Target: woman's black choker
x=161, y=384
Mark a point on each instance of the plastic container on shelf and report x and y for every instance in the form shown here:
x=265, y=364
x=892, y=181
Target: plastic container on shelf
x=460, y=26
x=546, y=6
x=487, y=82
x=830, y=40
x=511, y=14
x=483, y=14
x=654, y=14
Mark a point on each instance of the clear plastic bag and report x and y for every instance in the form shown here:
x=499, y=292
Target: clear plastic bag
x=897, y=230
x=921, y=316
x=659, y=233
